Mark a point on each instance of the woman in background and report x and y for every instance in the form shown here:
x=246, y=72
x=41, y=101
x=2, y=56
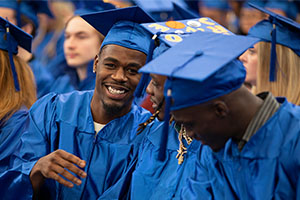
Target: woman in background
x=17, y=89
x=285, y=80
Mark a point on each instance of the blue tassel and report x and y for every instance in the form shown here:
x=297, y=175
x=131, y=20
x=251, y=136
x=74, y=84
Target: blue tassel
x=18, y=14
x=10, y=55
x=164, y=137
x=141, y=87
x=273, y=57
x=145, y=79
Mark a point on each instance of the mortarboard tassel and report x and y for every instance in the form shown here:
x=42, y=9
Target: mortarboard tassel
x=164, y=138
x=168, y=99
x=145, y=79
x=273, y=57
x=10, y=55
x=18, y=14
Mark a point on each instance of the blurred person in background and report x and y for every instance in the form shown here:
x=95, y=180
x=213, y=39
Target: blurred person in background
x=275, y=69
x=17, y=90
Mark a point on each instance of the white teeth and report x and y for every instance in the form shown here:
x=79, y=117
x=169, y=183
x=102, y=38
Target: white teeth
x=115, y=91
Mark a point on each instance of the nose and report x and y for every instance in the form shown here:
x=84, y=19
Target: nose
x=149, y=88
x=243, y=57
x=69, y=43
x=120, y=75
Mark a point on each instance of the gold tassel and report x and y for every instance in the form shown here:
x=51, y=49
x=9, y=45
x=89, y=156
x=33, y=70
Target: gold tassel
x=142, y=126
x=182, y=149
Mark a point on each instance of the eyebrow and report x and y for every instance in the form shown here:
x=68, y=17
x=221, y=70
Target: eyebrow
x=111, y=59
x=76, y=33
x=153, y=77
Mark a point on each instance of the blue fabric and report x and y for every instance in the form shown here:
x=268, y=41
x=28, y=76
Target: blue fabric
x=10, y=134
x=287, y=30
x=66, y=122
x=285, y=35
x=43, y=78
x=194, y=62
x=28, y=8
x=268, y=167
x=289, y=7
x=70, y=82
x=18, y=37
x=224, y=81
x=130, y=35
x=154, y=179
x=216, y=4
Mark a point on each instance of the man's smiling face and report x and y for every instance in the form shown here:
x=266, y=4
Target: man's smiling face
x=117, y=76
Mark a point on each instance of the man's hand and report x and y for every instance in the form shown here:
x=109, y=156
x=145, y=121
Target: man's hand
x=55, y=166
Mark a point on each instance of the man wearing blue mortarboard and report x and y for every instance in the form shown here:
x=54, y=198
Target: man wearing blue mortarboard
x=79, y=144
x=162, y=170
x=251, y=143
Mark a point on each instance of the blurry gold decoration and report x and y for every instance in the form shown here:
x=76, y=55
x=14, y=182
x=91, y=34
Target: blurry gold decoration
x=182, y=149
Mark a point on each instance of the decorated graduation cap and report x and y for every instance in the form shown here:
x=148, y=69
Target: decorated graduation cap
x=12, y=37
x=28, y=8
x=201, y=68
x=277, y=30
x=122, y=27
x=174, y=32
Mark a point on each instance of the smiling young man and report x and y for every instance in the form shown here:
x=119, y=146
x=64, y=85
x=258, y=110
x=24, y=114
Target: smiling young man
x=79, y=144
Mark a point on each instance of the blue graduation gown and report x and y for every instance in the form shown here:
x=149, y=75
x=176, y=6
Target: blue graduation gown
x=10, y=133
x=43, y=78
x=155, y=179
x=65, y=122
x=268, y=167
x=70, y=82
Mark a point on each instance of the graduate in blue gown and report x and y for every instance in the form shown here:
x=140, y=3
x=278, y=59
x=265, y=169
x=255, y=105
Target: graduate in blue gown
x=82, y=42
x=90, y=134
x=153, y=178
x=251, y=142
x=24, y=14
x=17, y=90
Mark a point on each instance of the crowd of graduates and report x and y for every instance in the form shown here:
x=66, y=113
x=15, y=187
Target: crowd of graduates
x=148, y=99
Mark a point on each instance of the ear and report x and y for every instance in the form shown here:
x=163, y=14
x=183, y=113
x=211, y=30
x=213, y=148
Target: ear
x=28, y=28
x=221, y=109
x=96, y=60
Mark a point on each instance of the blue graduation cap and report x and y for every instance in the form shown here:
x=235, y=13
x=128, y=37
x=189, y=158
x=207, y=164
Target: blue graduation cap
x=155, y=5
x=201, y=68
x=121, y=27
x=288, y=7
x=28, y=8
x=218, y=4
x=277, y=29
x=260, y=3
x=92, y=6
x=174, y=32
x=31, y=8
x=12, y=36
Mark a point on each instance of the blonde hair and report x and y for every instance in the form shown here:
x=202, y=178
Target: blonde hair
x=11, y=100
x=287, y=82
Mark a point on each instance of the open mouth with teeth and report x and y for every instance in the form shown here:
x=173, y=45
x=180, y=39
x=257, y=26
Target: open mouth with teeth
x=115, y=92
